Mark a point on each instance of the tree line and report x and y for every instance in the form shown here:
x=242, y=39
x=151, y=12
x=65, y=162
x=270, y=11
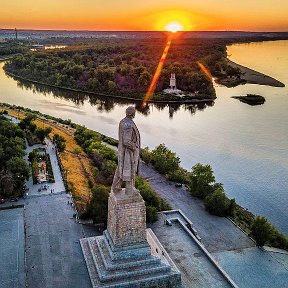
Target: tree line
x=14, y=171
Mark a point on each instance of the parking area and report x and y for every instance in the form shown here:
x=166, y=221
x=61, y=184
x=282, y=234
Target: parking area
x=12, y=274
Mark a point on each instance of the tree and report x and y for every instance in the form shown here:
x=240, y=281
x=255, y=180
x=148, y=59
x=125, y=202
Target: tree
x=146, y=155
x=60, y=142
x=219, y=204
x=111, y=86
x=261, y=230
x=164, y=160
x=202, y=180
x=98, y=206
x=180, y=175
x=41, y=133
x=151, y=214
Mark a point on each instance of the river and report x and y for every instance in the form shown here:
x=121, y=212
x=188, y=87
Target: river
x=245, y=145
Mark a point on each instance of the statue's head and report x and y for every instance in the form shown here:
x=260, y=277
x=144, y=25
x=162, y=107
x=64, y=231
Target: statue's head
x=130, y=112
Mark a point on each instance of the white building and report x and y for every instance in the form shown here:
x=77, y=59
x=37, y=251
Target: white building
x=173, y=81
x=173, y=89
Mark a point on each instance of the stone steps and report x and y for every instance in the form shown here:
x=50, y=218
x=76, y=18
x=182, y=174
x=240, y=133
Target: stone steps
x=135, y=274
x=122, y=264
x=122, y=271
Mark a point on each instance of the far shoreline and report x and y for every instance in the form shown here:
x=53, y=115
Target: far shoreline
x=254, y=77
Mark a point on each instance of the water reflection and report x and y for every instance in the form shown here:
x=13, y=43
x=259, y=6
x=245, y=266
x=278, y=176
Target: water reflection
x=103, y=103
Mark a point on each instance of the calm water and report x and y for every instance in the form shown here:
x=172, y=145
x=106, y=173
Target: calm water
x=246, y=145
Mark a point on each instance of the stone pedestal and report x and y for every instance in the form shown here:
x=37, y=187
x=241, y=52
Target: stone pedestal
x=122, y=258
x=126, y=219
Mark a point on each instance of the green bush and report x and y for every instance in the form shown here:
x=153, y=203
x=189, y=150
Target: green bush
x=219, y=204
x=261, y=230
x=60, y=142
x=149, y=195
x=180, y=175
x=164, y=160
x=151, y=214
x=202, y=181
x=146, y=155
x=278, y=240
x=97, y=209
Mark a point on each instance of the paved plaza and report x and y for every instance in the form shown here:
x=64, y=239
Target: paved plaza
x=196, y=268
x=12, y=274
x=53, y=253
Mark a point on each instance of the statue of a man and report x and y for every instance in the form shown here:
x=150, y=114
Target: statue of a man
x=128, y=154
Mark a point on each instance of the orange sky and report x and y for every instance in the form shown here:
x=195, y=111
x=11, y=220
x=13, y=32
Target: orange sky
x=252, y=15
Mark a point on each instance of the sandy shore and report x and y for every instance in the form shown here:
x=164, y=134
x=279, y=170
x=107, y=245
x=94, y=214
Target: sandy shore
x=254, y=77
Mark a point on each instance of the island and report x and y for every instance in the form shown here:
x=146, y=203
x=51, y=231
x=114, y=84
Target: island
x=251, y=99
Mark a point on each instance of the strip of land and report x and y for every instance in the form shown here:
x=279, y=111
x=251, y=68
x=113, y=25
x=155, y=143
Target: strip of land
x=254, y=77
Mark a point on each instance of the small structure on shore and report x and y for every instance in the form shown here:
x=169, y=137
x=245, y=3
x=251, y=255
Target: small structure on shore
x=173, y=89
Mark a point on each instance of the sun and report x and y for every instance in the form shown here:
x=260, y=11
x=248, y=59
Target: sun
x=174, y=27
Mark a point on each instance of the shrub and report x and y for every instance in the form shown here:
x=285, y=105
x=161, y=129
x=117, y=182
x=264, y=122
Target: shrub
x=261, y=230
x=278, y=240
x=60, y=142
x=146, y=155
x=202, y=181
x=151, y=214
x=149, y=195
x=98, y=206
x=219, y=204
x=180, y=175
x=164, y=160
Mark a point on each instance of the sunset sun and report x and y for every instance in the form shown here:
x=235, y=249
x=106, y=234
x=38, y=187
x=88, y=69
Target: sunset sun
x=174, y=27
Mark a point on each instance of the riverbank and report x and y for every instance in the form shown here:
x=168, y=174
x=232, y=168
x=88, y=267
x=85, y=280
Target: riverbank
x=110, y=96
x=254, y=77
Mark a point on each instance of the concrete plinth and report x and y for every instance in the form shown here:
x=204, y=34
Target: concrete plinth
x=126, y=219
x=122, y=257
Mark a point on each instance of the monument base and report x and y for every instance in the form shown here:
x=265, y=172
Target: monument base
x=134, y=266
x=128, y=255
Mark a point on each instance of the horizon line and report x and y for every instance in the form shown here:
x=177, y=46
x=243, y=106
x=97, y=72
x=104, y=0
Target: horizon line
x=153, y=31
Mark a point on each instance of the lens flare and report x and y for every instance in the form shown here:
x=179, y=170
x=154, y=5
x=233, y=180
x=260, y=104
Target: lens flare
x=205, y=70
x=157, y=73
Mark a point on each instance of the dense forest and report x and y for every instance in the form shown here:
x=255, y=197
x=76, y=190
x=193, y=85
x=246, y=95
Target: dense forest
x=125, y=67
x=13, y=169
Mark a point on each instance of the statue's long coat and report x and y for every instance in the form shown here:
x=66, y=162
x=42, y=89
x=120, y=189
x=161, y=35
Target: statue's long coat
x=128, y=160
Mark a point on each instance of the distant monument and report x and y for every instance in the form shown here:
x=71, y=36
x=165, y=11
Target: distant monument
x=173, y=81
x=128, y=255
x=173, y=89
